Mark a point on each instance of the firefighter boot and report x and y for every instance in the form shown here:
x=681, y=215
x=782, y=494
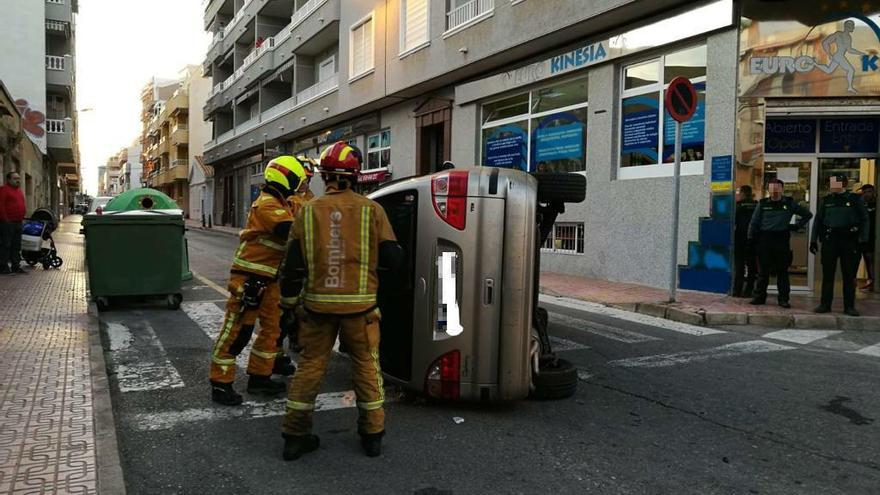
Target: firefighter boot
x=283, y=366
x=297, y=445
x=223, y=393
x=264, y=385
x=372, y=443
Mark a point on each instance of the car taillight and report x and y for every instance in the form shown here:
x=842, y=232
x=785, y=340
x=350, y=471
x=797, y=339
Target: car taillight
x=449, y=192
x=443, y=378
x=99, y=211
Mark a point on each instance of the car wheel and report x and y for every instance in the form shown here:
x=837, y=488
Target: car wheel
x=554, y=187
x=556, y=379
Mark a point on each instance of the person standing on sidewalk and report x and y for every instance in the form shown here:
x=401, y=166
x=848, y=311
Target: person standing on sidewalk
x=12, y=212
x=745, y=264
x=330, y=278
x=771, y=229
x=253, y=288
x=870, y=198
x=842, y=227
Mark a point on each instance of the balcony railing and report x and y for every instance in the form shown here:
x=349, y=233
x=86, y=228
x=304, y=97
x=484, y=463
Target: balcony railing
x=179, y=162
x=268, y=44
x=56, y=126
x=218, y=88
x=230, y=80
x=467, y=12
x=54, y=62
x=179, y=127
x=317, y=90
x=305, y=11
x=56, y=25
x=59, y=2
x=237, y=17
x=279, y=109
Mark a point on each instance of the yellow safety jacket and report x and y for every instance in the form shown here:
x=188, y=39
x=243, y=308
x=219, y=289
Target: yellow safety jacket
x=339, y=234
x=261, y=251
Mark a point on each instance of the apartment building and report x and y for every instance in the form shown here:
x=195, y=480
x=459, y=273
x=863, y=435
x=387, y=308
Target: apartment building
x=131, y=169
x=39, y=72
x=172, y=139
x=20, y=154
x=551, y=85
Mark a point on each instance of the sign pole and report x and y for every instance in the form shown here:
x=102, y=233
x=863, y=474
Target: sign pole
x=676, y=186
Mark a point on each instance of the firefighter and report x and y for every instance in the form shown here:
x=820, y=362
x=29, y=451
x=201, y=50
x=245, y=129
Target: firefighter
x=254, y=290
x=309, y=166
x=330, y=277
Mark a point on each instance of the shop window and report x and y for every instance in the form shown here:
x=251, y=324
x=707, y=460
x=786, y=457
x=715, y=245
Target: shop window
x=542, y=130
x=361, y=47
x=647, y=132
x=414, y=32
x=566, y=238
x=378, y=150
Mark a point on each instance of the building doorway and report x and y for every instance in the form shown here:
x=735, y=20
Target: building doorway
x=433, y=135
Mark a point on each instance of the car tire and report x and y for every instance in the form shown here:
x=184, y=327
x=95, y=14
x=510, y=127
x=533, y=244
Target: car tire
x=557, y=379
x=554, y=187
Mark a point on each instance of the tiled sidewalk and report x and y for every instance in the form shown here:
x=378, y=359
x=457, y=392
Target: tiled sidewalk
x=47, y=430
x=630, y=296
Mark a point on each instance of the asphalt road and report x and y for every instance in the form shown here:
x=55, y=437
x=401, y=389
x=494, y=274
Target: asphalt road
x=661, y=408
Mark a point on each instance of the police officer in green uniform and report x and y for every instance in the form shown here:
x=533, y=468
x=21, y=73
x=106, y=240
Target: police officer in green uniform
x=771, y=229
x=745, y=263
x=842, y=228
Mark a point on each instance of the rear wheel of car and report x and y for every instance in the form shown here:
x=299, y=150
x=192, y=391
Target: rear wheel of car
x=556, y=379
x=554, y=187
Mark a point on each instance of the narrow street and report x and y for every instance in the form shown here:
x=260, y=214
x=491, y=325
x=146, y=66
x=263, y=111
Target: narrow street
x=662, y=407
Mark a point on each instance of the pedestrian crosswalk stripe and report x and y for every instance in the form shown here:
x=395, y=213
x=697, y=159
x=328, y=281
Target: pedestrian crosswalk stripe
x=167, y=420
x=873, y=350
x=678, y=358
x=800, y=336
x=600, y=329
x=641, y=319
x=561, y=345
x=143, y=366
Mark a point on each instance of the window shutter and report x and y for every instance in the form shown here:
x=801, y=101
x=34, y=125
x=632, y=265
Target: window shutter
x=416, y=29
x=357, y=55
x=368, y=45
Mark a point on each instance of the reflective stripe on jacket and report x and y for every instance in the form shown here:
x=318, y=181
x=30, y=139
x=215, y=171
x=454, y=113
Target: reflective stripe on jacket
x=339, y=234
x=260, y=251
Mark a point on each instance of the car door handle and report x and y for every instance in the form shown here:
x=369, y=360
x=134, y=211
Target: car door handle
x=423, y=285
x=488, y=291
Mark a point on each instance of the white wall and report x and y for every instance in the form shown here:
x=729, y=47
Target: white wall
x=22, y=59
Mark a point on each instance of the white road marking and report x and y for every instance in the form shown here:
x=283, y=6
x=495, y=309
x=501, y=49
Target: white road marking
x=873, y=350
x=800, y=336
x=561, y=345
x=629, y=316
x=247, y=411
x=209, y=317
x=140, y=368
x=600, y=329
x=678, y=358
x=584, y=376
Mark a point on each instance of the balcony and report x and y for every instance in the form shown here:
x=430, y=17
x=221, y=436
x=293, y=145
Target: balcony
x=227, y=31
x=59, y=10
x=58, y=27
x=467, y=13
x=59, y=71
x=305, y=11
x=164, y=146
x=317, y=90
x=59, y=139
x=179, y=134
x=177, y=170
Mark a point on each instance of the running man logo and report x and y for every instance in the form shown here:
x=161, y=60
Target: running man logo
x=836, y=46
x=335, y=252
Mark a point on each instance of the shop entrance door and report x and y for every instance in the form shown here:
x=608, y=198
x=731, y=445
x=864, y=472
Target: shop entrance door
x=799, y=175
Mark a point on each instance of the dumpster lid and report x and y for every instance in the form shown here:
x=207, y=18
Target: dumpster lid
x=140, y=200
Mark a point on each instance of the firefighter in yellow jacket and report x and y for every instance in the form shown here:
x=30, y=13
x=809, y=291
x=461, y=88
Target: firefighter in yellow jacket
x=254, y=290
x=338, y=243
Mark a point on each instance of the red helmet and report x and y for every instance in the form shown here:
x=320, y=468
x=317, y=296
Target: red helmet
x=341, y=158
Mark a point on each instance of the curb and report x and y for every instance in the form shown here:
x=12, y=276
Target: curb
x=212, y=231
x=109, y=467
x=700, y=317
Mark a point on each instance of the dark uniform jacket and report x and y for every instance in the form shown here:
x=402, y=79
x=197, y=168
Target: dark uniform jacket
x=841, y=213
x=775, y=216
x=744, y=211
x=872, y=221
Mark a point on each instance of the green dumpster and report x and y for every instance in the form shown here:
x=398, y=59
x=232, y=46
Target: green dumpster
x=136, y=247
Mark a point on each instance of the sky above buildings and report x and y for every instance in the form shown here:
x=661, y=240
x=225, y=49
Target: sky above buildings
x=121, y=45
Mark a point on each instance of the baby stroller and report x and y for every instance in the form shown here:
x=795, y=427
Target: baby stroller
x=37, y=245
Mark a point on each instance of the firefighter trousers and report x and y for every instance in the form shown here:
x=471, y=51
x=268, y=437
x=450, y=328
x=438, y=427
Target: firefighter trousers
x=238, y=327
x=317, y=333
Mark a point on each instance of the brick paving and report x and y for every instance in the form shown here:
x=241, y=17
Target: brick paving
x=619, y=293
x=47, y=430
